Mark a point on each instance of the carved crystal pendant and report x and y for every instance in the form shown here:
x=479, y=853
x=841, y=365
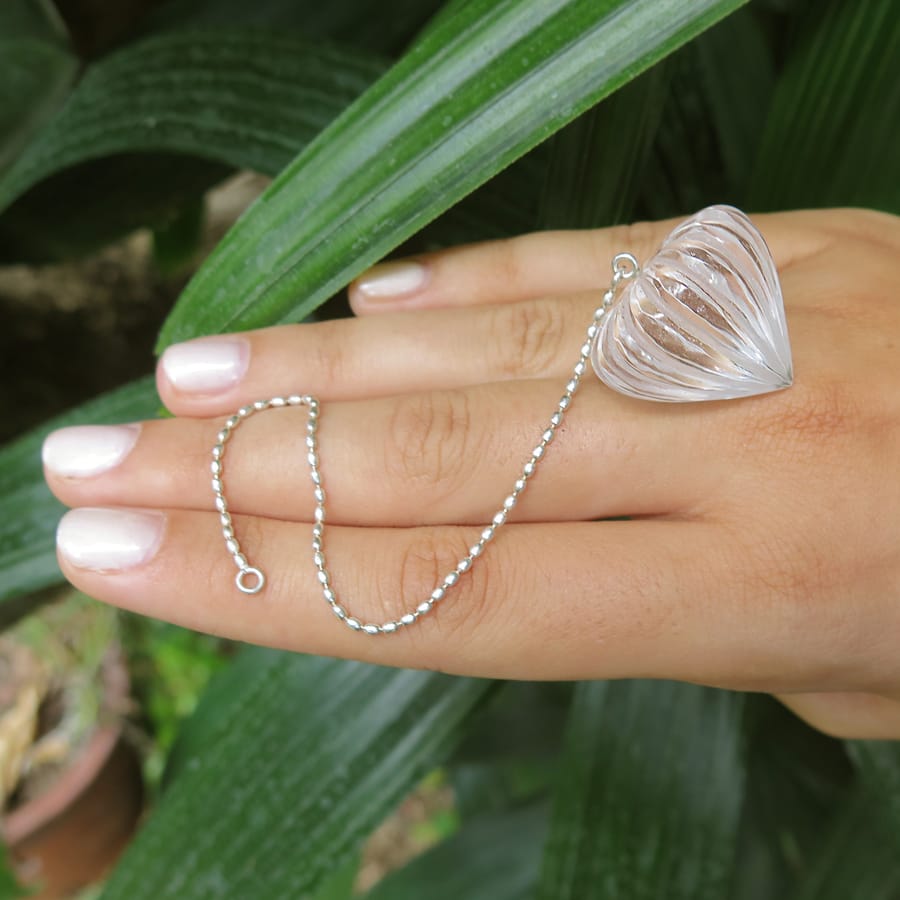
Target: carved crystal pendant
x=702, y=320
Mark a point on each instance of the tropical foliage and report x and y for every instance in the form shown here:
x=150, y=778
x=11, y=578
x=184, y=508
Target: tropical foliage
x=417, y=123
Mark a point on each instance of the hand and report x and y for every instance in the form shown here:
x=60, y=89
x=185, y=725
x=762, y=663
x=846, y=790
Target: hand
x=762, y=550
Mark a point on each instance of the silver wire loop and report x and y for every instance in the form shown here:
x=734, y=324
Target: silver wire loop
x=250, y=588
x=625, y=266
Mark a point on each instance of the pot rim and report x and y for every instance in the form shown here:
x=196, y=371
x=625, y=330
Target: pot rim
x=75, y=779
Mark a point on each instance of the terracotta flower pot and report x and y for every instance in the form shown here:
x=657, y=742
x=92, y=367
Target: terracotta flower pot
x=67, y=837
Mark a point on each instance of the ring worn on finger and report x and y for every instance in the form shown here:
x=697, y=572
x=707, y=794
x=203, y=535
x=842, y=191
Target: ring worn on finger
x=702, y=320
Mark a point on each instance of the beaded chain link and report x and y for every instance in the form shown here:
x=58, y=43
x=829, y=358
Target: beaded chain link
x=251, y=579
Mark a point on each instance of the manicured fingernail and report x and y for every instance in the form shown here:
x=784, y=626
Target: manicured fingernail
x=109, y=540
x=392, y=279
x=86, y=450
x=207, y=365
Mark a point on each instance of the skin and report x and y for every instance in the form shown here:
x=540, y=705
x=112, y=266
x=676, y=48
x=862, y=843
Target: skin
x=762, y=553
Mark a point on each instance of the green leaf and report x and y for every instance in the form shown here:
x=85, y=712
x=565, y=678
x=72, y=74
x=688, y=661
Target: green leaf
x=797, y=781
x=720, y=88
x=289, y=764
x=736, y=75
x=490, y=858
x=650, y=792
x=245, y=98
x=28, y=511
x=375, y=26
x=878, y=763
x=831, y=136
x=598, y=161
x=859, y=859
x=36, y=69
x=481, y=88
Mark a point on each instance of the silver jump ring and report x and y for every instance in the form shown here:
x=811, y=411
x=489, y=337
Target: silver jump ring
x=250, y=588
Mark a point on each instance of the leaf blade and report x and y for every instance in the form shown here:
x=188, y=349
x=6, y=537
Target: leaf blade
x=831, y=136
x=246, y=98
x=365, y=742
x=482, y=87
x=649, y=799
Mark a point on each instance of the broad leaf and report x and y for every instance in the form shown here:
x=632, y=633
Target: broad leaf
x=490, y=858
x=860, y=857
x=284, y=772
x=245, y=98
x=482, y=87
x=598, y=161
x=36, y=68
x=720, y=88
x=831, y=138
x=28, y=511
x=797, y=781
x=650, y=793
x=878, y=763
x=381, y=26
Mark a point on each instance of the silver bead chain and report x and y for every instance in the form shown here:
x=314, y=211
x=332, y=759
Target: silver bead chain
x=251, y=580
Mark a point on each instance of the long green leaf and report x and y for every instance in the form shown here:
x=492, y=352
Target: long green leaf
x=797, y=782
x=878, y=763
x=28, y=511
x=598, y=161
x=282, y=778
x=832, y=137
x=720, y=89
x=650, y=794
x=481, y=88
x=380, y=26
x=245, y=98
x=36, y=68
x=490, y=858
x=860, y=858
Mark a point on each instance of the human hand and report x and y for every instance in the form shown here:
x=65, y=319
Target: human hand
x=761, y=552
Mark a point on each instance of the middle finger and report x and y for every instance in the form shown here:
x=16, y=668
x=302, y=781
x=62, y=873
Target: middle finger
x=434, y=457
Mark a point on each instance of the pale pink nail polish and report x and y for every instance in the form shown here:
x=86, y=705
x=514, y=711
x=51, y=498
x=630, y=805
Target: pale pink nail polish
x=109, y=540
x=86, y=450
x=206, y=365
x=392, y=279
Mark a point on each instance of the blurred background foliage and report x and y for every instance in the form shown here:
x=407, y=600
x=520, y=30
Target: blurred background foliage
x=398, y=126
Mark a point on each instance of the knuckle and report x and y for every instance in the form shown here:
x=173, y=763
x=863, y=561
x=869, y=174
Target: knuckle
x=328, y=352
x=423, y=564
x=528, y=338
x=428, y=441
x=639, y=238
x=508, y=268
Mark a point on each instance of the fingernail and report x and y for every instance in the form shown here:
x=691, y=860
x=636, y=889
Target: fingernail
x=392, y=279
x=207, y=365
x=86, y=450
x=109, y=540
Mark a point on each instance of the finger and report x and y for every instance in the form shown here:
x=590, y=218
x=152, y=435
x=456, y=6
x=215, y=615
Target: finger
x=548, y=263
x=348, y=358
x=596, y=600
x=850, y=716
x=426, y=458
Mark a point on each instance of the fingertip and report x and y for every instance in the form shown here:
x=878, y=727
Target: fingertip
x=389, y=285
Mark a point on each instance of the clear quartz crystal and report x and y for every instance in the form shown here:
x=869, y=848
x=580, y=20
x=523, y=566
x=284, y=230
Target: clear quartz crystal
x=703, y=319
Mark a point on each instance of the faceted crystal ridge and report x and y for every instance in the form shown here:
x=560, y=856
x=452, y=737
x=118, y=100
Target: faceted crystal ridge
x=703, y=320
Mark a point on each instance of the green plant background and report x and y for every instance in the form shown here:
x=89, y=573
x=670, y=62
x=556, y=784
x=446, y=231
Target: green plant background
x=415, y=123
